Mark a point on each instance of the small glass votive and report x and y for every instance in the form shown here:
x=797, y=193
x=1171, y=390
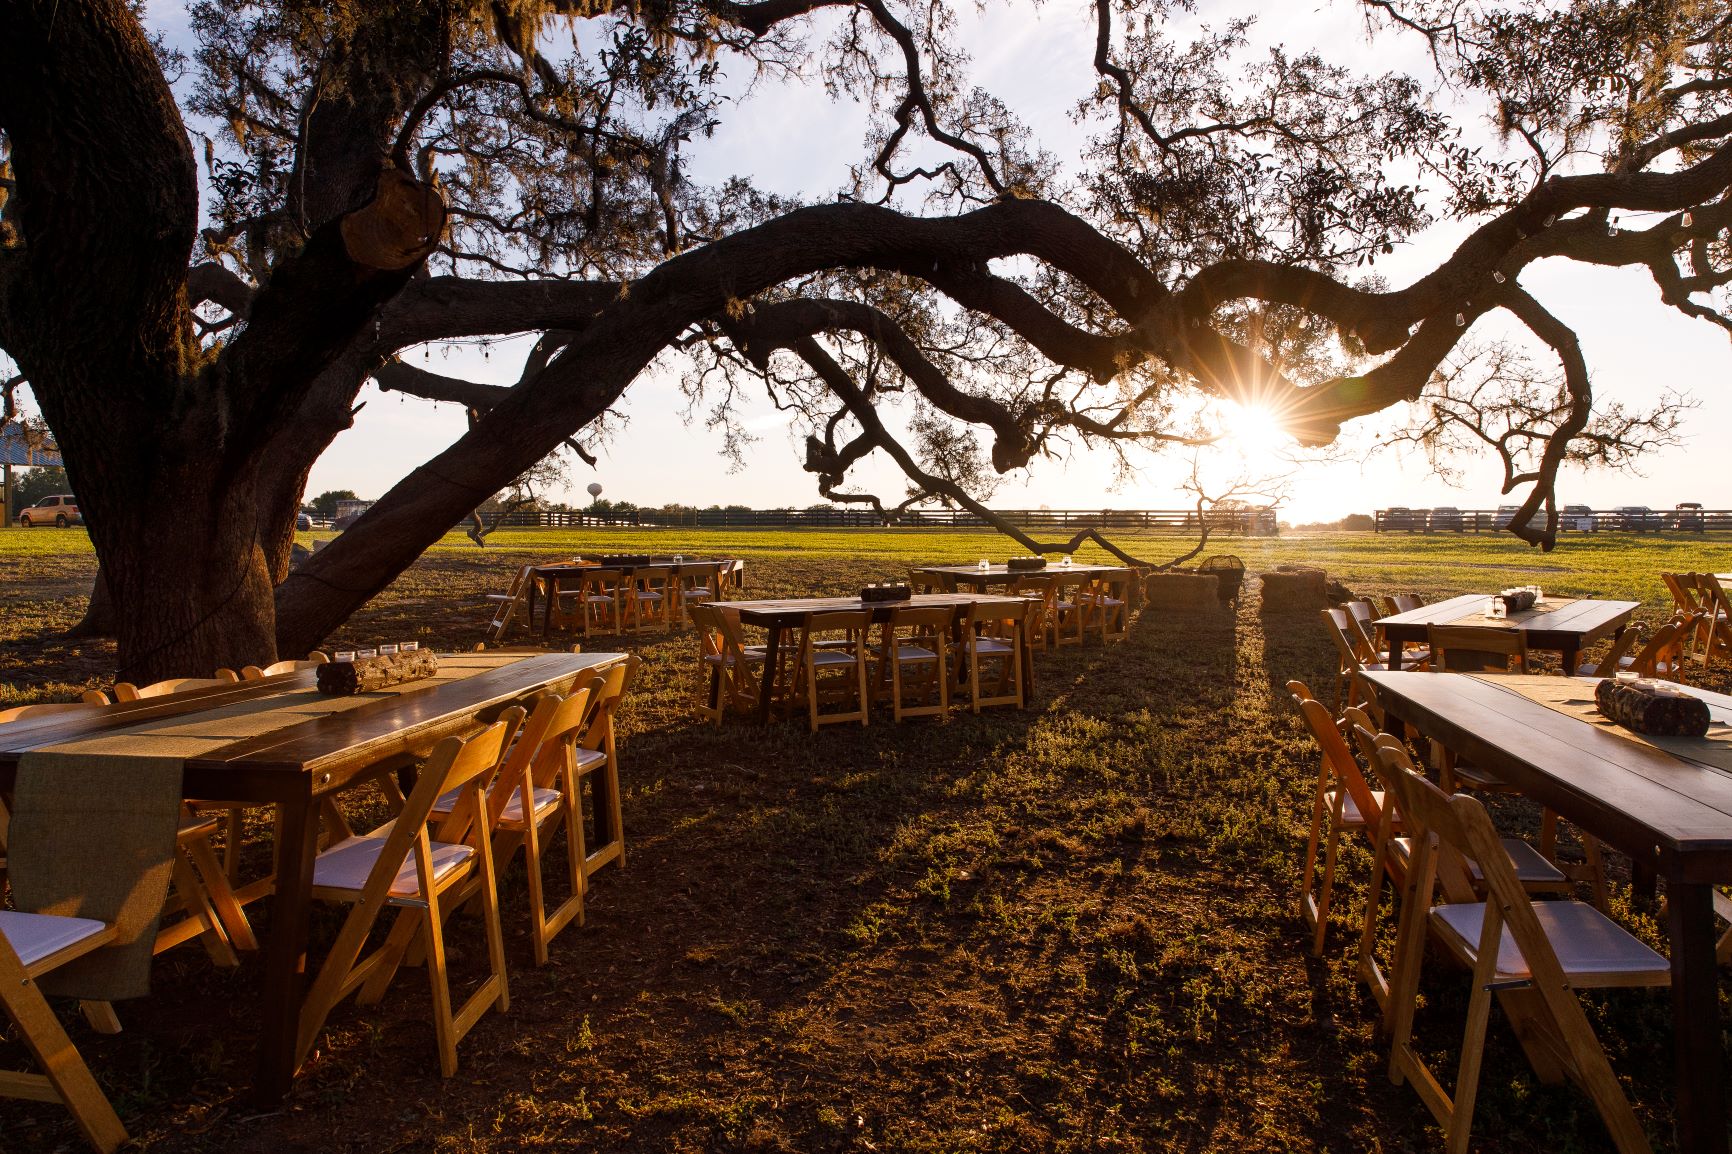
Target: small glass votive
x=1491, y=606
x=1539, y=595
x=387, y=651
x=343, y=655
x=1628, y=676
x=983, y=564
x=366, y=653
x=1065, y=561
x=409, y=646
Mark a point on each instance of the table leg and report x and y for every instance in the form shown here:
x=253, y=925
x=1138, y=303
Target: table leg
x=285, y=951
x=1700, y=1064
x=767, y=683
x=547, y=613
x=1572, y=654
x=1395, y=646
x=529, y=600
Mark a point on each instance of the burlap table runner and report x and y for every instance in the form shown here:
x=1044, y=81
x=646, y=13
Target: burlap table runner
x=1574, y=698
x=1527, y=617
x=94, y=822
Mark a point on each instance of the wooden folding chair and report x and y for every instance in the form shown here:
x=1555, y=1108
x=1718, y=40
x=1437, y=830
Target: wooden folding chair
x=539, y=766
x=32, y=945
x=647, y=597
x=127, y=691
x=919, y=639
x=1533, y=955
x=844, y=659
x=600, y=600
x=413, y=867
x=1391, y=855
x=1715, y=639
x=1617, y=655
x=995, y=633
x=931, y=581
x=1043, y=592
x=1342, y=798
x=1107, y=601
x=509, y=604
x=730, y=666
x=596, y=758
x=1067, y=615
x=312, y=661
x=693, y=585
x=1350, y=687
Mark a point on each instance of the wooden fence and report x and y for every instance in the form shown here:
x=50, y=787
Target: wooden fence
x=1570, y=521
x=1246, y=522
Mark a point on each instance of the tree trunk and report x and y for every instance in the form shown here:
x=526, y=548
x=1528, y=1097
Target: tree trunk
x=99, y=617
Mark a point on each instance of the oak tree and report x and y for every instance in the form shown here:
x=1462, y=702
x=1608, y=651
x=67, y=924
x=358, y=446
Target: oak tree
x=379, y=176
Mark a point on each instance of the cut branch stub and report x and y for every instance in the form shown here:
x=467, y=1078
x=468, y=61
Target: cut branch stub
x=399, y=227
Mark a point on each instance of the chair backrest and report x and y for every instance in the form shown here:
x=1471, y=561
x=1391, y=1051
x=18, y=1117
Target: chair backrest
x=1682, y=587
x=706, y=618
x=605, y=701
x=930, y=581
x=923, y=619
x=1390, y=608
x=1504, y=643
x=25, y=712
x=290, y=665
x=126, y=691
x=542, y=749
x=1342, y=632
x=1436, y=820
x=466, y=765
x=1663, y=645
x=1711, y=595
x=851, y=621
x=1337, y=758
x=1407, y=602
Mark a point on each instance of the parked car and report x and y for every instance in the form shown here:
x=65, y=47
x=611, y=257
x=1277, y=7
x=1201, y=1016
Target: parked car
x=1506, y=515
x=1446, y=517
x=1635, y=518
x=1687, y=517
x=303, y=523
x=1578, y=517
x=59, y=510
x=1401, y=517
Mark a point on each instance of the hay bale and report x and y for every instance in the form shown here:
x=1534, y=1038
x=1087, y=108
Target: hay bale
x=1185, y=592
x=1295, y=590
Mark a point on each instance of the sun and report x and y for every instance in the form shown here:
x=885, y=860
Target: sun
x=1254, y=430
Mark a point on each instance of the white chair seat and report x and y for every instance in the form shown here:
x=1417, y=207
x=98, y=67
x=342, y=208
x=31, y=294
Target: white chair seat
x=697, y=594
x=345, y=866
x=587, y=759
x=727, y=662
x=597, y=598
x=830, y=658
x=546, y=800
x=992, y=646
x=36, y=936
x=1408, y=656
x=915, y=653
x=1531, y=866
x=648, y=595
x=1350, y=814
x=1587, y=942
x=1111, y=602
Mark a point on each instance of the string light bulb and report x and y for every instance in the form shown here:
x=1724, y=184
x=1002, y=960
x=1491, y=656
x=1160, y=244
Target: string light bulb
x=1551, y=220
x=1612, y=227
x=1687, y=220
x=1460, y=320
x=1497, y=275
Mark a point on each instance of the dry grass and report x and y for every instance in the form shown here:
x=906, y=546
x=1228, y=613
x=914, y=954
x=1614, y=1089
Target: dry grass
x=1072, y=928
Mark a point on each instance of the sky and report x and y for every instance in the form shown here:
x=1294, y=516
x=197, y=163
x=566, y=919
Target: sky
x=793, y=140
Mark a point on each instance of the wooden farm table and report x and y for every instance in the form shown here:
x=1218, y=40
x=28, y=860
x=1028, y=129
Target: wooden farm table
x=553, y=576
x=1562, y=625
x=1664, y=808
x=293, y=768
x=974, y=577
x=776, y=617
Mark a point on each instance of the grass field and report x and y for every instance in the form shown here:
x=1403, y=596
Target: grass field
x=1072, y=928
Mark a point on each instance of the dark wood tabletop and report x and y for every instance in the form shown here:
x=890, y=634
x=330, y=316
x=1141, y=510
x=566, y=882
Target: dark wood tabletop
x=292, y=768
x=1002, y=572
x=1666, y=812
x=1567, y=629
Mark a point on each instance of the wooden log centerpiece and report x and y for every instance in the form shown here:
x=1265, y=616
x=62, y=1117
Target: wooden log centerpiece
x=894, y=592
x=370, y=674
x=1025, y=564
x=1652, y=709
